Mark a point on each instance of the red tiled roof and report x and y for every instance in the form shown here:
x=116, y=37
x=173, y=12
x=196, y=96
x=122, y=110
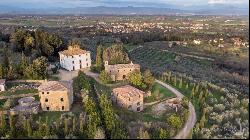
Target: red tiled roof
x=128, y=92
x=54, y=86
x=73, y=50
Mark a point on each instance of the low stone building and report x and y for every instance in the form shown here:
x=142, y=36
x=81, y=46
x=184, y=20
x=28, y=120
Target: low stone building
x=56, y=96
x=2, y=85
x=75, y=58
x=120, y=71
x=174, y=103
x=128, y=97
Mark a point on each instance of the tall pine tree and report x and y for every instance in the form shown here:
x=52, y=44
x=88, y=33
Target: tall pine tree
x=99, y=60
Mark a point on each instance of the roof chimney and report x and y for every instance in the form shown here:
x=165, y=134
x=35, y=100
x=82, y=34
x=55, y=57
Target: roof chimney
x=70, y=48
x=106, y=63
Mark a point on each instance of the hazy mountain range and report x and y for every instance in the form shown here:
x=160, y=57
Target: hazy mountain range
x=218, y=9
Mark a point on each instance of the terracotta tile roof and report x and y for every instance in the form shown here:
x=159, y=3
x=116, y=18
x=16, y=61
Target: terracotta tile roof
x=73, y=50
x=128, y=92
x=54, y=86
x=122, y=66
x=2, y=81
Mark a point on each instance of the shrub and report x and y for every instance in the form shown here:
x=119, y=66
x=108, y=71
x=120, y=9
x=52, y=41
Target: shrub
x=175, y=121
x=135, y=78
x=8, y=104
x=105, y=77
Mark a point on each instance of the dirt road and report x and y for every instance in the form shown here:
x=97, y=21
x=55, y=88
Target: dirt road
x=185, y=131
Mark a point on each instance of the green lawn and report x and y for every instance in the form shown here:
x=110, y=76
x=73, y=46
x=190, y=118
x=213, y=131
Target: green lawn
x=37, y=97
x=162, y=90
x=128, y=116
x=76, y=109
x=158, y=92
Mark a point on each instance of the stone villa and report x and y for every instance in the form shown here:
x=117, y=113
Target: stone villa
x=75, y=58
x=120, y=71
x=56, y=96
x=128, y=97
x=2, y=85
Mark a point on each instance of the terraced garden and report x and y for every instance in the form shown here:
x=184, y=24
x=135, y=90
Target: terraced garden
x=194, y=69
x=150, y=58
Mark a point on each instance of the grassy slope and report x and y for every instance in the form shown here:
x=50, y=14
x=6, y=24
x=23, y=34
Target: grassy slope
x=18, y=92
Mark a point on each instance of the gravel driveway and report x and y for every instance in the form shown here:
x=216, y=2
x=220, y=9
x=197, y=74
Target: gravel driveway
x=185, y=131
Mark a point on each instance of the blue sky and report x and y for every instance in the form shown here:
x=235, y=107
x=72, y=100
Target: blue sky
x=115, y=3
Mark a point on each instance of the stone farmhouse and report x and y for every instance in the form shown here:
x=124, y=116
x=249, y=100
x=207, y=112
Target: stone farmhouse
x=128, y=97
x=75, y=58
x=120, y=71
x=56, y=96
x=2, y=85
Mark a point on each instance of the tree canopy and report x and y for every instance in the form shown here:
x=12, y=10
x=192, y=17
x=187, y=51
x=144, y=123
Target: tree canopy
x=115, y=54
x=44, y=43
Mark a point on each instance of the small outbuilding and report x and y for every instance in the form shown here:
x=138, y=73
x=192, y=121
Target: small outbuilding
x=2, y=85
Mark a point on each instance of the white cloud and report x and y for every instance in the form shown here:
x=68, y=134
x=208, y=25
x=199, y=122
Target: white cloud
x=226, y=1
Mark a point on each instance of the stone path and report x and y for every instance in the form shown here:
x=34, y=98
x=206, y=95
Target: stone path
x=65, y=75
x=185, y=131
x=156, y=102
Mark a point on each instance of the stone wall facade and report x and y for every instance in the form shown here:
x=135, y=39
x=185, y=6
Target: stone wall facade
x=2, y=88
x=120, y=71
x=2, y=85
x=135, y=106
x=131, y=99
x=55, y=100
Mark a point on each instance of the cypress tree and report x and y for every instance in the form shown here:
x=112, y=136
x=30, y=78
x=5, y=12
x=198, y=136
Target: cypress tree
x=40, y=126
x=200, y=96
x=74, y=123
x=180, y=84
x=29, y=128
x=197, y=88
x=187, y=85
x=99, y=60
x=25, y=126
x=47, y=127
x=24, y=63
x=66, y=127
x=12, y=125
x=202, y=121
x=6, y=58
x=175, y=80
x=81, y=125
x=3, y=124
x=1, y=71
x=193, y=93
x=169, y=76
